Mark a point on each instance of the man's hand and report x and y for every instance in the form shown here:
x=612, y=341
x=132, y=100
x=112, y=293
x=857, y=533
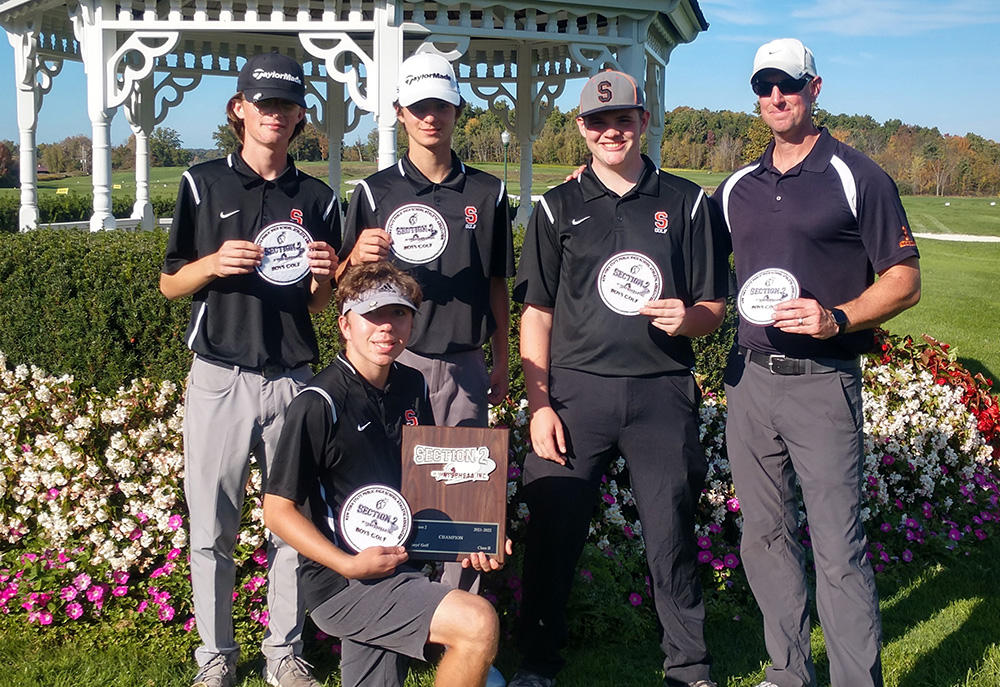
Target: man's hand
x=236, y=257
x=322, y=261
x=576, y=173
x=483, y=563
x=499, y=382
x=372, y=246
x=804, y=316
x=548, y=438
x=376, y=562
x=667, y=314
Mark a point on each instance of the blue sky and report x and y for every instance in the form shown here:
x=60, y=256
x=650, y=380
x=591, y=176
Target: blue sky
x=930, y=62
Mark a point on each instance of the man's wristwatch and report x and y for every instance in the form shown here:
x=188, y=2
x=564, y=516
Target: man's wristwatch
x=839, y=319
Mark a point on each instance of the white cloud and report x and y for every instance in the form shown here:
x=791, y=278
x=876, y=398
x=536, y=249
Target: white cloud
x=739, y=12
x=894, y=17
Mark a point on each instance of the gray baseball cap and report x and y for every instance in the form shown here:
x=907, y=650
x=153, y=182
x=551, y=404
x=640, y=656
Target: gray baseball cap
x=787, y=55
x=272, y=75
x=385, y=294
x=611, y=90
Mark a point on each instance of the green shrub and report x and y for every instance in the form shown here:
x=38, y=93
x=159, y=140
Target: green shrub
x=74, y=207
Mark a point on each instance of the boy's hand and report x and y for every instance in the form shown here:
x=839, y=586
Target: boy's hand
x=483, y=563
x=375, y=562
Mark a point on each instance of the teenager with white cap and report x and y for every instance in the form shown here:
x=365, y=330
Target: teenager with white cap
x=448, y=225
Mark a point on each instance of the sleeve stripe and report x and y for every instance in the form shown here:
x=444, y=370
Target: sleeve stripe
x=333, y=408
x=848, y=182
x=202, y=307
x=545, y=206
x=368, y=193
x=503, y=190
x=194, y=188
x=729, y=189
x=334, y=203
x=697, y=203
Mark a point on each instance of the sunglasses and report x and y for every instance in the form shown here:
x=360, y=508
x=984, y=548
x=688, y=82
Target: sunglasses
x=786, y=86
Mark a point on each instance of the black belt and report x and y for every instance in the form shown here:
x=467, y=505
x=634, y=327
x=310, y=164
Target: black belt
x=782, y=365
x=268, y=371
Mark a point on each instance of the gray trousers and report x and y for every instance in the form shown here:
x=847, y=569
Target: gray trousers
x=458, y=384
x=783, y=427
x=230, y=414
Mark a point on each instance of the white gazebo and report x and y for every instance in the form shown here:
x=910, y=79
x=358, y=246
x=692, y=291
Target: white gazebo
x=143, y=56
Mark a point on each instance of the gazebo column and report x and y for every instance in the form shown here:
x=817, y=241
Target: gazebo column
x=335, y=114
x=141, y=117
x=96, y=48
x=524, y=128
x=27, y=121
x=388, y=51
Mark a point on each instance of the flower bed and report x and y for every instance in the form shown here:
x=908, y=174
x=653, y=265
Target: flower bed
x=93, y=522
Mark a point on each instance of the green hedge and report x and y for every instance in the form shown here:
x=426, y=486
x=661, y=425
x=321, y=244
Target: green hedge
x=73, y=207
x=88, y=304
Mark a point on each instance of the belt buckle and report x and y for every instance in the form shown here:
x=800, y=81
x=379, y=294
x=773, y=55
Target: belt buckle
x=770, y=363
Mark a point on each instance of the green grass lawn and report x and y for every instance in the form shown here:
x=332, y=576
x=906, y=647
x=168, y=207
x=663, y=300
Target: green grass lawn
x=939, y=622
x=958, y=305
x=979, y=216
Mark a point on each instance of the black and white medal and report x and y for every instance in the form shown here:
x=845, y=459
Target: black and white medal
x=286, y=253
x=374, y=515
x=762, y=292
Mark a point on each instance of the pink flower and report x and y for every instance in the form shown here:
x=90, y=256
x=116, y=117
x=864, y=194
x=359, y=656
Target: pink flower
x=45, y=618
x=53, y=494
x=265, y=618
x=888, y=460
x=733, y=504
x=513, y=472
x=954, y=534
x=717, y=564
x=714, y=528
x=320, y=635
x=166, y=613
x=635, y=599
x=135, y=534
x=143, y=605
x=120, y=590
x=74, y=610
x=885, y=527
x=68, y=593
x=81, y=581
x=95, y=593
x=189, y=625
x=175, y=522
x=120, y=576
x=260, y=557
x=173, y=554
x=587, y=575
x=731, y=561
x=609, y=499
x=629, y=534
x=142, y=518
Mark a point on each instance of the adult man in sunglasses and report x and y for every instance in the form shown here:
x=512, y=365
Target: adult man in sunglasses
x=812, y=222
x=254, y=241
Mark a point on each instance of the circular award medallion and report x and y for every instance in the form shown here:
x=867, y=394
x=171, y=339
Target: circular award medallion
x=762, y=292
x=419, y=233
x=286, y=249
x=375, y=515
x=627, y=281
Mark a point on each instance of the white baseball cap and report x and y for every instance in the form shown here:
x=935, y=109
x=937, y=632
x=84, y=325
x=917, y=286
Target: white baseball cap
x=787, y=55
x=427, y=75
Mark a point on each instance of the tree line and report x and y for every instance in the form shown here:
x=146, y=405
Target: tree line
x=921, y=160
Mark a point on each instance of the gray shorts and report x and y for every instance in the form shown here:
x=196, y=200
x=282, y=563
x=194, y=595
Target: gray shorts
x=382, y=624
x=458, y=383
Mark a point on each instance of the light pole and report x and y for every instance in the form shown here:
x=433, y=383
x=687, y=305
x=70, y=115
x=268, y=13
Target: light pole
x=505, y=139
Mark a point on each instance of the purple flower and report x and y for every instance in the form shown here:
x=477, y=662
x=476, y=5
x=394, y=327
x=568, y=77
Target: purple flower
x=608, y=499
x=714, y=528
x=872, y=481
x=730, y=560
x=704, y=542
x=717, y=564
x=954, y=534
x=888, y=460
x=629, y=534
x=907, y=555
x=980, y=535
x=635, y=599
x=910, y=522
x=885, y=527
x=704, y=556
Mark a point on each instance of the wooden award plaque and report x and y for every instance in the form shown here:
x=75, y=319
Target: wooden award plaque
x=455, y=480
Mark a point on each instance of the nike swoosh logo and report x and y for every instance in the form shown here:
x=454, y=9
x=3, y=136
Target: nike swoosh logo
x=361, y=428
x=581, y=220
x=224, y=215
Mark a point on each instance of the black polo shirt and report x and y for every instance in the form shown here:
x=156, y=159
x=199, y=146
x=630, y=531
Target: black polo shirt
x=452, y=237
x=340, y=434
x=577, y=235
x=243, y=319
x=833, y=221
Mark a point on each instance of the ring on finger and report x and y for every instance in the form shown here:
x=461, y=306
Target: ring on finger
x=801, y=322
